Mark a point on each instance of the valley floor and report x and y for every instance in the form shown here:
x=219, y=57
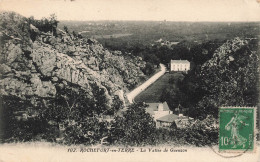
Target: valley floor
x=154, y=91
x=131, y=96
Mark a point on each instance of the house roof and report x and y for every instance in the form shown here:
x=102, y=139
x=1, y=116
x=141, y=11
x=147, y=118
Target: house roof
x=154, y=107
x=165, y=106
x=180, y=61
x=171, y=118
x=121, y=112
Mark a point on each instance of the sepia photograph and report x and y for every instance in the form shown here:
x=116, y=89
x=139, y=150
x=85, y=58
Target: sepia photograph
x=129, y=80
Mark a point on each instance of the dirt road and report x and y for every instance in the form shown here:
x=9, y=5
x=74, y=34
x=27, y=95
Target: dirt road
x=139, y=89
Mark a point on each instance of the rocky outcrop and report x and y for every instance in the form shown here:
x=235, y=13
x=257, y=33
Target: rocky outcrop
x=36, y=67
x=229, y=77
x=225, y=53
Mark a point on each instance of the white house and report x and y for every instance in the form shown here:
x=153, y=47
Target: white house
x=180, y=65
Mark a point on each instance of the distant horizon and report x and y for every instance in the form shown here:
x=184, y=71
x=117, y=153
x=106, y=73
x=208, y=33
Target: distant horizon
x=162, y=21
x=138, y=10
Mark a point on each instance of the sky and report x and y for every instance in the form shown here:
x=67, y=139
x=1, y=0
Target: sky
x=155, y=10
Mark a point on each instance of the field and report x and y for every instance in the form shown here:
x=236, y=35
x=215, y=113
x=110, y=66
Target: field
x=119, y=34
x=111, y=36
x=154, y=92
x=159, y=41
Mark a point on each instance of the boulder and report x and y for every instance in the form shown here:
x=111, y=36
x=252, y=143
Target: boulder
x=46, y=64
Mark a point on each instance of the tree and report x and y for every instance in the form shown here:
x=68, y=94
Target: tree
x=116, y=105
x=54, y=23
x=88, y=131
x=136, y=127
x=230, y=77
x=101, y=100
x=66, y=29
x=164, y=54
x=75, y=115
x=75, y=35
x=149, y=69
x=18, y=124
x=198, y=133
x=45, y=24
x=174, y=97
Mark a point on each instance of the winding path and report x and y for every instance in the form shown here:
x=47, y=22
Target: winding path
x=131, y=95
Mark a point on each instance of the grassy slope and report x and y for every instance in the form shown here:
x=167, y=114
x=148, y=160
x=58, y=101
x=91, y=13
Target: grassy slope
x=153, y=92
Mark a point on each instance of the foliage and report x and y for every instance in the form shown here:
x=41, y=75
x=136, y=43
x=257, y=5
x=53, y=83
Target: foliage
x=12, y=26
x=45, y=24
x=76, y=116
x=17, y=120
x=135, y=128
x=224, y=77
x=200, y=133
x=230, y=77
x=174, y=97
x=72, y=116
x=87, y=131
x=191, y=88
x=172, y=93
x=149, y=69
x=203, y=52
x=69, y=104
x=101, y=102
x=66, y=29
x=116, y=106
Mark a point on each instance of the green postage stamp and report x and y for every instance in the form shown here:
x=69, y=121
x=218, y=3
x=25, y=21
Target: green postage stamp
x=237, y=128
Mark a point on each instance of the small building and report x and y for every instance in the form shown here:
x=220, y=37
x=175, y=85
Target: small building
x=179, y=65
x=165, y=118
x=172, y=120
x=157, y=110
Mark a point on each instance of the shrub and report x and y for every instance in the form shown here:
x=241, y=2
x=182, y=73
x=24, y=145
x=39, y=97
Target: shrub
x=135, y=128
x=45, y=24
x=89, y=131
x=200, y=133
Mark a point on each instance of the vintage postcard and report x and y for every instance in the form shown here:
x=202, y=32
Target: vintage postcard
x=129, y=80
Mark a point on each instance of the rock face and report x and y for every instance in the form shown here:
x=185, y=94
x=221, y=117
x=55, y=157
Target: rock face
x=37, y=67
x=233, y=68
